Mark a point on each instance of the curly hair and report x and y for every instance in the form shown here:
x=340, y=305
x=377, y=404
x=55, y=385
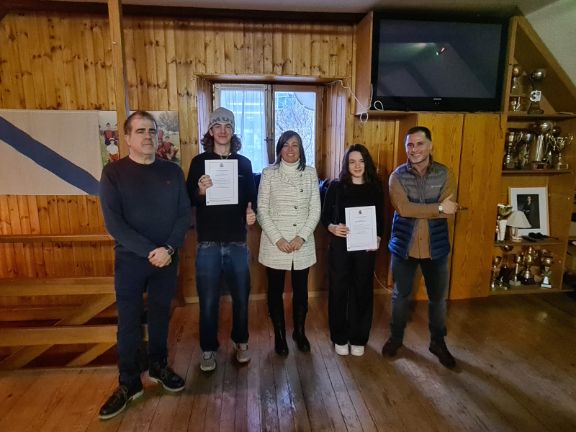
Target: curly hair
x=207, y=142
x=370, y=174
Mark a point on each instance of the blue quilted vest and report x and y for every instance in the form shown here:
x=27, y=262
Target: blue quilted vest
x=421, y=189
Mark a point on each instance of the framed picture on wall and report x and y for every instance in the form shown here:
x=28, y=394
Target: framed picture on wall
x=533, y=202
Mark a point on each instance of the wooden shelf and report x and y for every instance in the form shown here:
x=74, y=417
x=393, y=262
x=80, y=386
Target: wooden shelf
x=523, y=116
x=545, y=242
x=525, y=289
x=547, y=172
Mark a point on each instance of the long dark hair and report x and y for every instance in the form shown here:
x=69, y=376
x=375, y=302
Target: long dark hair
x=370, y=174
x=283, y=140
x=207, y=142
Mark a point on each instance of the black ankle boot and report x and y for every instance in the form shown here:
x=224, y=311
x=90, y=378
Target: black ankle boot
x=280, y=345
x=298, y=335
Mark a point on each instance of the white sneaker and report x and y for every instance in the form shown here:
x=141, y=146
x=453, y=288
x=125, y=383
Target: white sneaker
x=357, y=350
x=341, y=349
x=242, y=354
x=208, y=362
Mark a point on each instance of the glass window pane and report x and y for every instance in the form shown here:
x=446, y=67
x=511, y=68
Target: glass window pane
x=248, y=105
x=296, y=110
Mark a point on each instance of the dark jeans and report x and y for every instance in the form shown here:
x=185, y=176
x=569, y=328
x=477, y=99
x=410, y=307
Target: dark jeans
x=276, y=289
x=133, y=276
x=230, y=260
x=351, y=293
x=435, y=274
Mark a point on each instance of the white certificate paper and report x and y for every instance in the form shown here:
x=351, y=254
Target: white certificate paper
x=224, y=176
x=361, y=221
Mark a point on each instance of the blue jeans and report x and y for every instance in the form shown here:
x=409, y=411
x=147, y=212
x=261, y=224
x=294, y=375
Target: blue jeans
x=132, y=277
x=230, y=260
x=435, y=274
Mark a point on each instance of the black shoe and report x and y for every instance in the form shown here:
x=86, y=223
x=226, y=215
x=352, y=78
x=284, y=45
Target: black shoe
x=391, y=347
x=301, y=340
x=118, y=401
x=440, y=350
x=280, y=344
x=167, y=377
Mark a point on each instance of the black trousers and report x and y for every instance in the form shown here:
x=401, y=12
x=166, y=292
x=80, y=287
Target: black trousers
x=276, y=289
x=351, y=294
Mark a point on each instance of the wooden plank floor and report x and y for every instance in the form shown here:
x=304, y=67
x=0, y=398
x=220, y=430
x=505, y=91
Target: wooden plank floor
x=517, y=372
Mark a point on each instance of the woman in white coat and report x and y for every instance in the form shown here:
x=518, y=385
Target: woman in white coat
x=288, y=212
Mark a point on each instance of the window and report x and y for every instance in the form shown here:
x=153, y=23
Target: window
x=263, y=112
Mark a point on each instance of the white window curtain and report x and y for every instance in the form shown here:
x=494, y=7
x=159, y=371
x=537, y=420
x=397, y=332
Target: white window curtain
x=248, y=103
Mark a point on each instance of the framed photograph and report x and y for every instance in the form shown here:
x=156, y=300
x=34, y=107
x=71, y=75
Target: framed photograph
x=533, y=202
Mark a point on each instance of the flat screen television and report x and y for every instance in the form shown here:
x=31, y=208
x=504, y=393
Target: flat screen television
x=438, y=64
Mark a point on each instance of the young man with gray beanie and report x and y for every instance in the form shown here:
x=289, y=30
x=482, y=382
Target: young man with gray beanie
x=222, y=249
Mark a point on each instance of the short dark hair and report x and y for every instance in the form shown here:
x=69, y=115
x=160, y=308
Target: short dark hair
x=370, y=174
x=137, y=114
x=422, y=129
x=207, y=142
x=283, y=140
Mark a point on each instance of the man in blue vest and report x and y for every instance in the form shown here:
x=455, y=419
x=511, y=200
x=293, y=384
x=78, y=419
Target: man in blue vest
x=421, y=192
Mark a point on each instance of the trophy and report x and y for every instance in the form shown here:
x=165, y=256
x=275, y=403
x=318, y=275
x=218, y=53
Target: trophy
x=536, y=78
x=528, y=261
x=546, y=272
x=515, y=281
x=559, y=143
x=539, y=147
x=504, y=211
x=511, y=139
x=523, y=146
x=517, y=94
x=494, y=283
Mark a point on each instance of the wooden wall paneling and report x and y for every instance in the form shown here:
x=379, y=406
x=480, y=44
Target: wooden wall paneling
x=90, y=65
x=277, y=54
x=161, y=64
x=171, y=66
x=6, y=250
x=37, y=249
x=131, y=71
x=70, y=57
x=49, y=72
x=101, y=65
x=249, y=59
x=151, y=59
x=315, y=51
x=145, y=94
x=20, y=257
x=28, y=266
x=24, y=60
x=479, y=183
x=287, y=52
x=34, y=48
x=76, y=38
x=56, y=60
x=14, y=94
x=266, y=41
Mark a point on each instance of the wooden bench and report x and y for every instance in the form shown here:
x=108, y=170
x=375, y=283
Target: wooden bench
x=32, y=341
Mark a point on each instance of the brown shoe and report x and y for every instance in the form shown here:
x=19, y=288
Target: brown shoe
x=440, y=350
x=391, y=347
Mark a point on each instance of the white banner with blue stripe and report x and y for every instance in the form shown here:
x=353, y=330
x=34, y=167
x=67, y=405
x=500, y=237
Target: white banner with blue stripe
x=49, y=152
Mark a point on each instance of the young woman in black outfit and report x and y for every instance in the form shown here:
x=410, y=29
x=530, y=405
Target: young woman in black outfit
x=351, y=274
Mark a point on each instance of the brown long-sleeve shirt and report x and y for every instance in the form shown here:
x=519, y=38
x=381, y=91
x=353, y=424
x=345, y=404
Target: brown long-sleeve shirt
x=420, y=243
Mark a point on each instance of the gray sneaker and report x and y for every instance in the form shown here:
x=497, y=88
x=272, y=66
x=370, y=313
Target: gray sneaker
x=208, y=362
x=242, y=354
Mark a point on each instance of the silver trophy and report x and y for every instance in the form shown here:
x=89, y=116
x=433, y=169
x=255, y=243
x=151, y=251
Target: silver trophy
x=494, y=282
x=536, y=78
x=546, y=272
x=539, y=147
x=509, y=161
x=558, y=144
x=517, y=94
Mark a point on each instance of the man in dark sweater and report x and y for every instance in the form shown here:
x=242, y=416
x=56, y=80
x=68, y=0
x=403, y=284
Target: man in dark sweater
x=147, y=210
x=421, y=192
x=222, y=248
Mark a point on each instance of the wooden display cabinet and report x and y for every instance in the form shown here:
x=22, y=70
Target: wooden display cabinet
x=559, y=105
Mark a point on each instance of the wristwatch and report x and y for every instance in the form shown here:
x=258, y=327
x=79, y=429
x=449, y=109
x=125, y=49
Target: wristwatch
x=440, y=209
x=170, y=249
